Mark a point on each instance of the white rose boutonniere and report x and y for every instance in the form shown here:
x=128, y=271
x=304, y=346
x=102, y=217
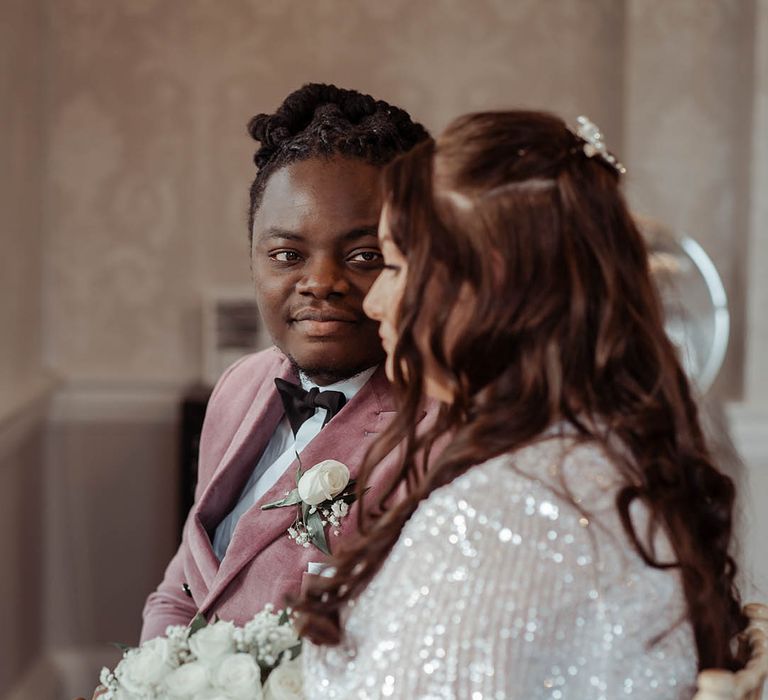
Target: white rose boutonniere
x=323, y=495
x=323, y=482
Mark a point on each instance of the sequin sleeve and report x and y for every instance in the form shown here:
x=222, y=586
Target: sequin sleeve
x=514, y=581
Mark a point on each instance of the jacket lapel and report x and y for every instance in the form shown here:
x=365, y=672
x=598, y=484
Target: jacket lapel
x=346, y=438
x=234, y=469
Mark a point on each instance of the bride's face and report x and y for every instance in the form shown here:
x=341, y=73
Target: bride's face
x=383, y=304
x=383, y=299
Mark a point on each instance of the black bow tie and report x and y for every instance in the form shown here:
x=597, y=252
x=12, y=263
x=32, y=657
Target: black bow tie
x=301, y=404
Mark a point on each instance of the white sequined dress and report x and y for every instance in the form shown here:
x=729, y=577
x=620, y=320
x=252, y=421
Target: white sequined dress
x=501, y=587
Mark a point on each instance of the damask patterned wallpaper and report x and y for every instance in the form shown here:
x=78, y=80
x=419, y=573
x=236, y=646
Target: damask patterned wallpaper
x=21, y=164
x=21, y=444
x=756, y=359
x=688, y=113
x=149, y=162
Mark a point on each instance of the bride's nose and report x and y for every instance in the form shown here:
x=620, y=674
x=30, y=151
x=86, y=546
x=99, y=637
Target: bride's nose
x=373, y=302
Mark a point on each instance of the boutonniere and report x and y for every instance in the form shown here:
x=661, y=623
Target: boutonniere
x=322, y=497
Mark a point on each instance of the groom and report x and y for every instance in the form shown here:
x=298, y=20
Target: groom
x=314, y=209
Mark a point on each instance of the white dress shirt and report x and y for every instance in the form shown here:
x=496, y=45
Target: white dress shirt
x=279, y=453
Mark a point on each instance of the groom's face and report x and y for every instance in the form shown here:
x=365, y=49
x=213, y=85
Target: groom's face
x=315, y=255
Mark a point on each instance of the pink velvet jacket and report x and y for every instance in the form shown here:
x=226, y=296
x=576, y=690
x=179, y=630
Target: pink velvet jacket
x=262, y=565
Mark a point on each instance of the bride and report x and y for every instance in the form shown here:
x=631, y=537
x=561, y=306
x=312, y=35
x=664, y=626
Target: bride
x=571, y=541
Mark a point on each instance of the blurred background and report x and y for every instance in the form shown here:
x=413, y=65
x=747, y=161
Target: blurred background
x=124, y=172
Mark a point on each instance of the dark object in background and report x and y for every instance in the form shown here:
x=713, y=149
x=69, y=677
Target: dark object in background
x=193, y=405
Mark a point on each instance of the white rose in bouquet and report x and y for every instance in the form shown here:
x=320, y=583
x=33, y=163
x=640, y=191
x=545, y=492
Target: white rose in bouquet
x=239, y=676
x=210, y=643
x=185, y=681
x=323, y=481
x=216, y=661
x=285, y=682
x=211, y=695
x=123, y=694
x=144, y=667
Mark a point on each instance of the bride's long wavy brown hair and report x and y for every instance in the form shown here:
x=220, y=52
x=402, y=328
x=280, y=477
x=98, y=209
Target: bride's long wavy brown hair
x=565, y=326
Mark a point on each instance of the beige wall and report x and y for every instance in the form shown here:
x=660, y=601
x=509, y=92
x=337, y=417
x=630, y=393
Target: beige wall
x=112, y=522
x=22, y=380
x=23, y=579
x=150, y=164
x=753, y=428
x=688, y=117
x=756, y=267
x=21, y=200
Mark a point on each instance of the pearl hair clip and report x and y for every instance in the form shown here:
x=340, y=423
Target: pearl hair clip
x=594, y=145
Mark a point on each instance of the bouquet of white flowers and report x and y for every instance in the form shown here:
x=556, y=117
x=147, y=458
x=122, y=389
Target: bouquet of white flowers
x=216, y=661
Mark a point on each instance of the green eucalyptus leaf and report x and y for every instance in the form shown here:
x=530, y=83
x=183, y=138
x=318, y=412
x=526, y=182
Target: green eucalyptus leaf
x=290, y=500
x=314, y=522
x=293, y=498
x=122, y=647
x=273, y=505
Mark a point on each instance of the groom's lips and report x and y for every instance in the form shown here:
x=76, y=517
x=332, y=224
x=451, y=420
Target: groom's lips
x=322, y=324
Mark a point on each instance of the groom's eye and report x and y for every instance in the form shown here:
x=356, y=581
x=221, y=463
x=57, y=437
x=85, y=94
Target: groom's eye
x=366, y=258
x=285, y=256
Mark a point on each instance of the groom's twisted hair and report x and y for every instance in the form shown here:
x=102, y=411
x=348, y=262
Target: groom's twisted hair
x=566, y=327
x=323, y=121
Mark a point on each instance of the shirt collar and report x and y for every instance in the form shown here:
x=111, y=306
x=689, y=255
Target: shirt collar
x=348, y=387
